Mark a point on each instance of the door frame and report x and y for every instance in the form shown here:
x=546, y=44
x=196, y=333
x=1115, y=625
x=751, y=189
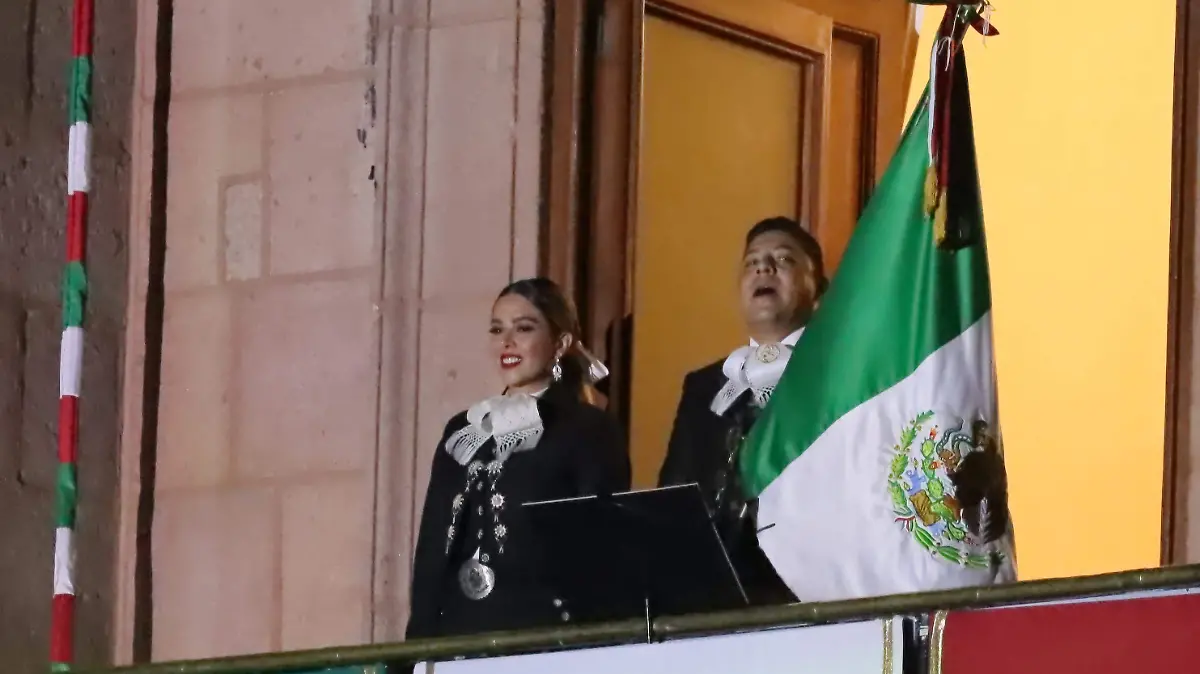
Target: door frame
x=593, y=175
x=1181, y=446
x=593, y=101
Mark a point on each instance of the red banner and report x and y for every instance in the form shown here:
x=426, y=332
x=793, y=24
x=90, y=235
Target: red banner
x=1111, y=636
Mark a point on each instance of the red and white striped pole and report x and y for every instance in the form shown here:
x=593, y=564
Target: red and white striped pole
x=74, y=292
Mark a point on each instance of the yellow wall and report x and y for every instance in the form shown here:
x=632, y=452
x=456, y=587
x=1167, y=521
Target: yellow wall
x=1072, y=107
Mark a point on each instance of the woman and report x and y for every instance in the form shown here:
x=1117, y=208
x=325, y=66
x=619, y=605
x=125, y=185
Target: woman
x=477, y=560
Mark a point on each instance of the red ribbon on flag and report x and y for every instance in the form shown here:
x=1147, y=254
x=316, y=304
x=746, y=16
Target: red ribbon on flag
x=959, y=16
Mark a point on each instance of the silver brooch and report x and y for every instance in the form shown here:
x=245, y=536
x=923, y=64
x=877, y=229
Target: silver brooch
x=767, y=353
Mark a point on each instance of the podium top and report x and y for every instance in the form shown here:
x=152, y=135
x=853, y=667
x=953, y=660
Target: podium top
x=635, y=554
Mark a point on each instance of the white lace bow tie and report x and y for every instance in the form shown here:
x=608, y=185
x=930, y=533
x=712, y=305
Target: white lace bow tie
x=513, y=420
x=755, y=368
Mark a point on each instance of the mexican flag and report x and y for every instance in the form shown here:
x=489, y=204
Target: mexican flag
x=877, y=462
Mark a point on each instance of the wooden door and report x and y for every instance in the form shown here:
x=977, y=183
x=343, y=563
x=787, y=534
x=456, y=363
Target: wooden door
x=734, y=109
x=707, y=115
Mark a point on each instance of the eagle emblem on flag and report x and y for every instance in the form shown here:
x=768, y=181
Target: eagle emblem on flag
x=940, y=488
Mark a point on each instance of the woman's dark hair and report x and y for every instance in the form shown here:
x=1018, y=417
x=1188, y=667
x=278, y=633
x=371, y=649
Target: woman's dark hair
x=558, y=309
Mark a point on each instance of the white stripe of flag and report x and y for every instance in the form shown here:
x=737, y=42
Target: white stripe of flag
x=64, y=561
x=70, y=362
x=79, y=158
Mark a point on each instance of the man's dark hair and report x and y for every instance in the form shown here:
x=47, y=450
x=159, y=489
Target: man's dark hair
x=807, y=242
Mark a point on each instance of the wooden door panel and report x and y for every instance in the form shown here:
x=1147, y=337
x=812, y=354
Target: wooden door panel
x=862, y=54
x=786, y=29
x=780, y=21
x=734, y=128
x=724, y=129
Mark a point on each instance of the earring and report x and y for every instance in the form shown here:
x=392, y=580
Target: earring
x=556, y=369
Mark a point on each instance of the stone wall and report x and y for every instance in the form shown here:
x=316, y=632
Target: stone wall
x=350, y=183
x=35, y=52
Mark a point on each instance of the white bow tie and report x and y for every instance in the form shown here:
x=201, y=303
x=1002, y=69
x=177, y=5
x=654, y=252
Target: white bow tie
x=513, y=420
x=755, y=368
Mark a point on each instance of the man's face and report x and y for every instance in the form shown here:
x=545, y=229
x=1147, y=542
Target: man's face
x=778, y=283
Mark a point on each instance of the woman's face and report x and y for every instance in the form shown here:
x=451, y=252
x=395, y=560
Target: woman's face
x=523, y=344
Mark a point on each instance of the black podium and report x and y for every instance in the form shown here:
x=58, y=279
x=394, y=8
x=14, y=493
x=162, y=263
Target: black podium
x=637, y=554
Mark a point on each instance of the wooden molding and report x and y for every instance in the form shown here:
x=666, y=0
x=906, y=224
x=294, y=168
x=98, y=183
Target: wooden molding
x=564, y=104
x=790, y=32
x=869, y=44
x=592, y=102
x=1180, y=452
x=612, y=206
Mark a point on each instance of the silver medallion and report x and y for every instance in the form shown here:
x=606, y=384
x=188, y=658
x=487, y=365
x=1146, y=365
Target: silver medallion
x=767, y=353
x=476, y=579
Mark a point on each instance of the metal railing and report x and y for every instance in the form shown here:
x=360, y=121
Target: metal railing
x=400, y=656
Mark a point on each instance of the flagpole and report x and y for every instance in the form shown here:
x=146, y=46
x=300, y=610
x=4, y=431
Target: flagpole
x=74, y=291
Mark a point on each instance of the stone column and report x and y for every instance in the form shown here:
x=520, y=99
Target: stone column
x=350, y=183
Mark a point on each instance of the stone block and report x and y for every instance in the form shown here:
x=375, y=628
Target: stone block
x=12, y=398
x=469, y=159
x=409, y=14
x=242, y=223
x=193, y=423
x=459, y=12
x=322, y=197
x=533, y=9
x=212, y=140
x=27, y=555
x=215, y=557
x=306, y=378
x=39, y=425
x=327, y=562
x=456, y=371
x=527, y=167
x=221, y=43
x=405, y=187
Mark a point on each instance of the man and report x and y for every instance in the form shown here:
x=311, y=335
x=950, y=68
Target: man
x=782, y=278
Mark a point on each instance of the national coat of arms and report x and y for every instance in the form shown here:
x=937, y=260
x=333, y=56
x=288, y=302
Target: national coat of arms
x=948, y=489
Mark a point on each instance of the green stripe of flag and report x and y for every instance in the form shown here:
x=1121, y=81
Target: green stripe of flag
x=65, y=495
x=896, y=299
x=56, y=667
x=74, y=292
x=79, y=101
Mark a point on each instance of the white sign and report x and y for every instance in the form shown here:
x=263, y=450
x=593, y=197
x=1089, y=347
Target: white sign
x=873, y=647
